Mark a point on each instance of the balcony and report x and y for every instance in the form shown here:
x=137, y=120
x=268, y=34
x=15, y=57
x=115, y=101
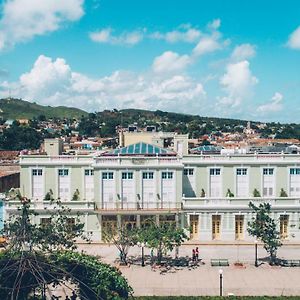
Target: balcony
x=59, y=159
x=278, y=158
x=238, y=202
x=38, y=206
x=137, y=161
x=139, y=206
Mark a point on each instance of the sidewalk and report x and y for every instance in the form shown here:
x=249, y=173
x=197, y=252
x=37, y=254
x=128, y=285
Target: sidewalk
x=204, y=280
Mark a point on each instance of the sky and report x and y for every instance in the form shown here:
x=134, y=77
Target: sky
x=215, y=58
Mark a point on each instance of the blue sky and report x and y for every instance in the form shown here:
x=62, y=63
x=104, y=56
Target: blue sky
x=238, y=59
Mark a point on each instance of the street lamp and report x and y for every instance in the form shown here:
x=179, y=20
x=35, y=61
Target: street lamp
x=221, y=282
x=256, y=261
x=142, y=245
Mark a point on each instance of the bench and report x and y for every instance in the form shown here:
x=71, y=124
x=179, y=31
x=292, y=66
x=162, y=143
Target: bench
x=220, y=262
x=290, y=263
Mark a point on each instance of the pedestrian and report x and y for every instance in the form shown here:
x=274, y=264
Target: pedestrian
x=152, y=256
x=197, y=254
x=193, y=255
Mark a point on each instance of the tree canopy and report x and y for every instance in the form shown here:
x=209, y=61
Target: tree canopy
x=264, y=228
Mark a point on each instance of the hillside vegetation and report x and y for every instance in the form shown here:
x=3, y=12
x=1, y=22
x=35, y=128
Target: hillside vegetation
x=11, y=108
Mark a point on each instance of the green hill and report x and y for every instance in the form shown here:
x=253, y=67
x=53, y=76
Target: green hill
x=11, y=108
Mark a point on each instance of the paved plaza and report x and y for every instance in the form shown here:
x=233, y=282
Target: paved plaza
x=204, y=279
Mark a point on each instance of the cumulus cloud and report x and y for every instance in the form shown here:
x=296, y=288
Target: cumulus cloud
x=243, y=51
x=45, y=78
x=24, y=19
x=206, y=45
x=184, y=33
x=125, y=38
x=52, y=82
x=294, y=39
x=170, y=62
x=237, y=83
x=214, y=25
x=274, y=105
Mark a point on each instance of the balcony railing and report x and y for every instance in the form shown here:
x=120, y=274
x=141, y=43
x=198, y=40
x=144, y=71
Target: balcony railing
x=46, y=205
x=193, y=202
x=118, y=205
x=125, y=161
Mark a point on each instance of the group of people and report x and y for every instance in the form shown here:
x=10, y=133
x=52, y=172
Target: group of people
x=195, y=254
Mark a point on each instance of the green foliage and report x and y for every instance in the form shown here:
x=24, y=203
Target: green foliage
x=202, y=193
x=229, y=193
x=256, y=193
x=38, y=256
x=19, y=109
x=76, y=195
x=264, y=228
x=163, y=237
x=58, y=233
x=20, y=137
x=95, y=280
x=122, y=237
x=49, y=196
x=26, y=274
x=283, y=193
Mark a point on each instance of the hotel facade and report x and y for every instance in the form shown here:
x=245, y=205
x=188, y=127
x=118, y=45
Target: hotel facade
x=209, y=194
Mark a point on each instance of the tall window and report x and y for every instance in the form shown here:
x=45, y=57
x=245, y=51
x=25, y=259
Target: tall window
x=268, y=182
x=216, y=227
x=215, y=181
x=63, y=184
x=295, y=182
x=189, y=182
x=37, y=184
x=242, y=189
x=148, y=190
x=167, y=188
x=284, y=222
x=128, y=190
x=89, y=184
x=108, y=189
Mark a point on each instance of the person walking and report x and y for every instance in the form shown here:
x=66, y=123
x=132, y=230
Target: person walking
x=193, y=255
x=197, y=254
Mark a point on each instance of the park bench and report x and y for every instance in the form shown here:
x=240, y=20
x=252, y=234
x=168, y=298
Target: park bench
x=220, y=262
x=290, y=263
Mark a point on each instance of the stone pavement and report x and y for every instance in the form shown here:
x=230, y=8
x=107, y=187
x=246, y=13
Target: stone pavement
x=204, y=279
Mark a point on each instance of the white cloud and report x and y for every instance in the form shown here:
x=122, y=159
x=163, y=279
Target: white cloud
x=184, y=33
x=294, y=39
x=125, y=38
x=243, y=51
x=274, y=105
x=170, y=62
x=52, y=82
x=237, y=83
x=23, y=19
x=206, y=45
x=215, y=24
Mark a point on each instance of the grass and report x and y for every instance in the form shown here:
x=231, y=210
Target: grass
x=215, y=298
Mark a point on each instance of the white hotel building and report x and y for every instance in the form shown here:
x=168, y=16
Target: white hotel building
x=140, y=182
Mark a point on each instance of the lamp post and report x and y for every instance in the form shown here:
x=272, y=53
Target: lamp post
x=221, y=282
x=142, y=245
x=256, y=262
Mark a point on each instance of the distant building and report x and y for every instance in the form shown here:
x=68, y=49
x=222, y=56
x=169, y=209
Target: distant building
x=172, y=140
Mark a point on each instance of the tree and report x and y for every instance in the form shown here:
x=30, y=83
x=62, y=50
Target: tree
x=264, y=228
x=58, y=232
x=20, y=137
x=26, y=272
x=122, y=237
x=163, y=237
